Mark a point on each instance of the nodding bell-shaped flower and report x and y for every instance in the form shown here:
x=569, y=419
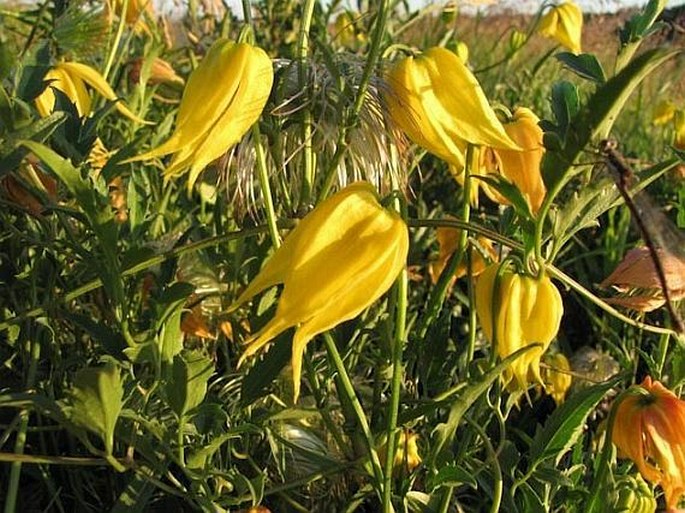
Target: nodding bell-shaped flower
x=436, y=100
x=516, y=311
x=556, y=377
x=564, y=24
x=522, y=168
x=72, y=78
x=337, y=261
x=224, y=97
x=649, y=428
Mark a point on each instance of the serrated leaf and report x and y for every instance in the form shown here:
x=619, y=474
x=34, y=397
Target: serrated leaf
x=198, y=459
x=584, y=65
x=96, y=398
x=565, y=425
x=187, y=386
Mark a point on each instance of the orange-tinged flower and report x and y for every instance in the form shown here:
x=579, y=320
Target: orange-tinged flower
x=161, y=72
x=336, y=262
x=649, y=428
x=448, y=240
x=224, y=97
x=564, y=24
x=527, y=311
x=436, y=100
x=522, y=168
x=636, y=276
x=134, y=15
x=72, y=78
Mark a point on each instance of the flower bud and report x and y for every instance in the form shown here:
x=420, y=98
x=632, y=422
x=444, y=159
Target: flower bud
x=631, y=494
x=407, y=456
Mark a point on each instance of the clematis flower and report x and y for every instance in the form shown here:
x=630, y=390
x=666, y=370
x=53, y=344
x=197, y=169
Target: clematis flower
x=134, y=15
x=664, y=112
x=637, y=279
x=224, y=97
x=522, y=168
x=649, y=428
x=564, y=24
x=161, y=72
x=72, y=78
x=448, y=240
x=337, y=261
x=528, y=311
x=556, y=377
x=407, y=456
x=436, y=100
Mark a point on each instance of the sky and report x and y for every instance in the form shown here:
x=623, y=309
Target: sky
x=524, y=5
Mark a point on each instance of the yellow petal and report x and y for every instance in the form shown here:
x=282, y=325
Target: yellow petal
x=95, y=80
x=564, y=23
x=466, y=112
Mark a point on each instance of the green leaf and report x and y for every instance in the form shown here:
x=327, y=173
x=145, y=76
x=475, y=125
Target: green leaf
x=199, y=458
x=639, y=25
x=594, y=122
x=96, y=400
x=565, y=425
x=258, y=380
x=451, y=475
x=188, y=384
x=509, y=191
x=565, y=105
x=584, y=65
x=170, y=308
x=444, y=432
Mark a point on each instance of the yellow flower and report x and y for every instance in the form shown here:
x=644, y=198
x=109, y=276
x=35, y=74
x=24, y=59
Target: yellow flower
x=679, y=126
x=72, y=78
x=664, y=112
x=135, y=11
x=407, y=456
x=522, y=168
x=528, y=311
x=649, y=428
x=336, y=262
x=448, y=240
x=346, y=31
x=556, y=377
x=436, y=100
x=564, y=24
x=224, y=97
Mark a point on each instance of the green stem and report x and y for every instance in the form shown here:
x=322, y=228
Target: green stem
x=351, y=395
x=439, y=292
x=371, y=62
x=396, y=388
x=15, y=469
x=302, y=52
x=266, y=186
x=117, y=40
x=247, y=11
x=497, y=469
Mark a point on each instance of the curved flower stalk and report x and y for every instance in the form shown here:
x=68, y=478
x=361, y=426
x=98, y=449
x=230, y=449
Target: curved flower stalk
x=522, y=168
x=649, y=428
x=564, y=24
x=224, y=97
x=337, y=261
x=72, y=78
x=528, y=311
x=436, y=100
